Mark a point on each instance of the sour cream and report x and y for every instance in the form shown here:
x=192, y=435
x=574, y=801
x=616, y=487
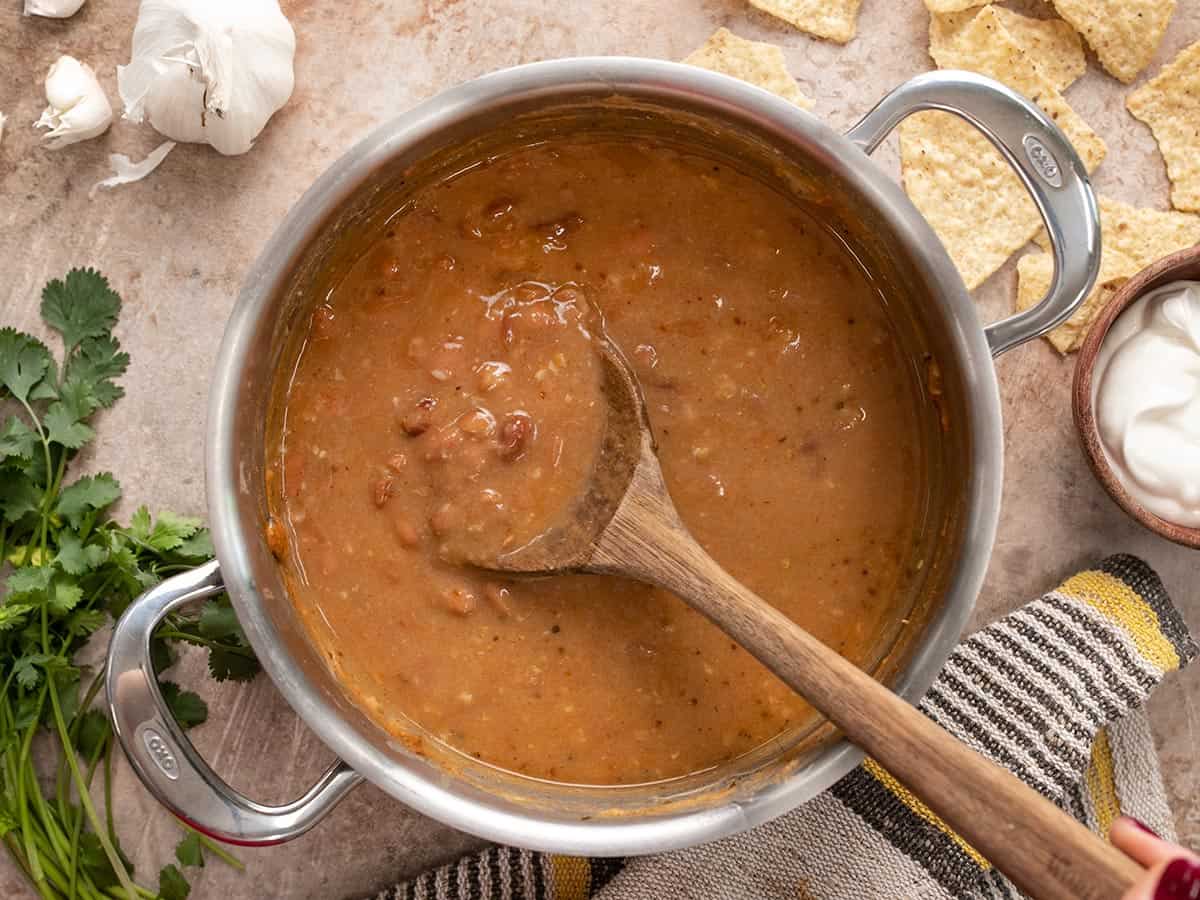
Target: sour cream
x=1146, y=393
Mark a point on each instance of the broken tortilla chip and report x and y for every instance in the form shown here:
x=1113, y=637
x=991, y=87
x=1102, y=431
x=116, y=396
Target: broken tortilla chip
x=835, y=20
x=1052, y=45
x=1142, y=235
x=1124, y=33
x=1170, y=104
x=758, y=63
x=958, y=180
x=1034, y=272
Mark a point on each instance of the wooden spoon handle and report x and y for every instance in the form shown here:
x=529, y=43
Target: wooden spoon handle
x=1045, y=852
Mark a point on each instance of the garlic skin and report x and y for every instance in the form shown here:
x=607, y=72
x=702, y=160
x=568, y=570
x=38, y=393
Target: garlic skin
x=78, y=108
x=209, y=71
x=53, y=9
x=126, y=171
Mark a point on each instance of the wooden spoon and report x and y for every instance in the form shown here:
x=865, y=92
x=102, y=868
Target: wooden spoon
x=625, y=524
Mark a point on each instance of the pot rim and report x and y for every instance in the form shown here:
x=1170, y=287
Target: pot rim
x=735, y=101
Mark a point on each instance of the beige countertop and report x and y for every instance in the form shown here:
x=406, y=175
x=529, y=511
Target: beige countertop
x=177, y=245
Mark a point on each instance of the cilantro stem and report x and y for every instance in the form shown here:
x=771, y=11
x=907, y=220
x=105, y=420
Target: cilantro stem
x=176, y=635
x=86, y=799
x=108, y=801
x=31, y=851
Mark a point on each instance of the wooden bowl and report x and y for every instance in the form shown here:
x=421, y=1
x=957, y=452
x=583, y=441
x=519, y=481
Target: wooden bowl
x=1181, y=266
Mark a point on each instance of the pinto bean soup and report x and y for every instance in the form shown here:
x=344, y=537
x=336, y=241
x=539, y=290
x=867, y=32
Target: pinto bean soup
x=444, y=398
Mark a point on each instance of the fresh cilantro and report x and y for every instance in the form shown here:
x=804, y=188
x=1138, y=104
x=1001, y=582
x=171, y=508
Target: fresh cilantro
x=92, y=493
x=189, y=851
x=23, y=362
x=66, y=568
x=80, y=306
x=18, y=440
x=187, y=708
x=171, y=884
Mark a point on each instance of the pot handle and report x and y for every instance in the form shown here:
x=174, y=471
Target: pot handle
x=165, y=760
x=1047, y=164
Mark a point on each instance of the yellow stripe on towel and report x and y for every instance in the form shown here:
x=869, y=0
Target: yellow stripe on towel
x=884, y=777
x=571, y=877
x=1102, y=783
x=1121, y=604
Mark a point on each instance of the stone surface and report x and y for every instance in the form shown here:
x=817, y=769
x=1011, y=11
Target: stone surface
x=177, y=245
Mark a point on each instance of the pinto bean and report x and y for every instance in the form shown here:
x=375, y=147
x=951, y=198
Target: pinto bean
x=406, y=532
x=459, y=601
x=381, y=491
x=515, y=434
x=415, y=422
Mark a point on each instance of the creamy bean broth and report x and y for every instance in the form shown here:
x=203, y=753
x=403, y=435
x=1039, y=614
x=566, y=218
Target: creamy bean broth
x=445, y=396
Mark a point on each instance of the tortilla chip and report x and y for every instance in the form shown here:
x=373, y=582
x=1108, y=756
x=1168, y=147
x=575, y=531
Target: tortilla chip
x=1142, y=235
x=832, y=19
x=758, y=63
x=958, y=180
x=1034, y=272
x=1124, y=33
x=1051, y=44
x=1170, y=104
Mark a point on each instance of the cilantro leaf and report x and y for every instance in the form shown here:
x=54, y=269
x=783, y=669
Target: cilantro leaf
x=78, y=397
x=28, y=669
x=91, y=492
x=80, y=306
x=12, y=615
x=171, y=884
x=96, y=363
x=198, y=547
x=64, y=595
x=74, y=557
x=170, y=531
x=19, y=496
x=189, y=851
x=139, y=524
x=232, y=664
x=30, y=583
x=83, y=622
x=18, y=439
x=218, y=621
x=23, y=362
x=188, y=708
x=162, y=657
x=63, y=427
x=93, y=731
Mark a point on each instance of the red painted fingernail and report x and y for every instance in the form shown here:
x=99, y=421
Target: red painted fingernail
x=1144, y=827
x=1180, y=881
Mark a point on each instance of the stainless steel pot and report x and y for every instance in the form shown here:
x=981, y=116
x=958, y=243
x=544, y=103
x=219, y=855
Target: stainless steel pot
x=464, y=794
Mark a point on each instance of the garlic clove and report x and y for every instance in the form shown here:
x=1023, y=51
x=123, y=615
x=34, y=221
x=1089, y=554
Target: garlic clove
x=3, y=119
x=53, y=9
x=126, y=170
x=209, y=71
x=77, y=106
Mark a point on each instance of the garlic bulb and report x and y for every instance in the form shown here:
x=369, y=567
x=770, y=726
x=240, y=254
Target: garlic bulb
x=78, y=108
x=209, y=71
x=53, y=9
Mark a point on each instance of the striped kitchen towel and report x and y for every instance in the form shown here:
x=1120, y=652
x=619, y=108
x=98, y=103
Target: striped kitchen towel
x=1054, y=692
